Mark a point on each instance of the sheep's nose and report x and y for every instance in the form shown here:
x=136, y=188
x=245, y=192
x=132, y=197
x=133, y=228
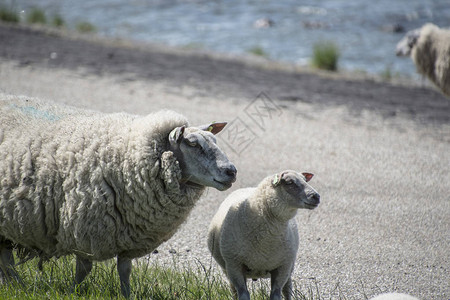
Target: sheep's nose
x=231, y=172
x=316, y=198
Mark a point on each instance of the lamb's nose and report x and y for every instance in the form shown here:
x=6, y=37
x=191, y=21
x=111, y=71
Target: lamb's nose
x=231, y=172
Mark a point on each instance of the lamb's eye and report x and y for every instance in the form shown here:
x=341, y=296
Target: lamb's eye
x=288, y=181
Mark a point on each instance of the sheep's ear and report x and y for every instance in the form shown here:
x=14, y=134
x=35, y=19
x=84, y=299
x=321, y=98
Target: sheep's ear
x=308, y=176
x=176, y=134
x=276, y=180
x=214, y=127
x=405, y=45
x=413, y=37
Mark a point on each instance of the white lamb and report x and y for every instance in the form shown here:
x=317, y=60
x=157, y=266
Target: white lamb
x=254, y=233
x=99, y=185
x=429, y=48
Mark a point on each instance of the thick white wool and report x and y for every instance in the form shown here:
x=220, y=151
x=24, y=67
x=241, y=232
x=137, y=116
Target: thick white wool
x=431, y=55
x=394, y=296
x=254, y=228
x=84, y=182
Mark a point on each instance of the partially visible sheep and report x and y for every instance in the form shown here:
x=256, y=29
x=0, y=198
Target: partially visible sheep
x=99, y=185
x=429, y=48
x=254, y=233
x=394, y=296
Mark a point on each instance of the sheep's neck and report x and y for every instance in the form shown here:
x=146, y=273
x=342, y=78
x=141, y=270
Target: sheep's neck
x=262, y=224
x=272, y=209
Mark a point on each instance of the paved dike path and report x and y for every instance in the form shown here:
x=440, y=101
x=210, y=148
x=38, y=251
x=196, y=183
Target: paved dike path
x=380, y=152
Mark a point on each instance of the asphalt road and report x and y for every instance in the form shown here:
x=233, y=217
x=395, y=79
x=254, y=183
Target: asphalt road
x=380, y=152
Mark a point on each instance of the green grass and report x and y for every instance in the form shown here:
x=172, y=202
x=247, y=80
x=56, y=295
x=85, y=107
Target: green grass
x=325, y=56
x=148, y=281
x=36, y=16
x=85, y=27
x=387, y=74
x=257, y=50
x=8, y=15
x=58, y=21
x=193, y=46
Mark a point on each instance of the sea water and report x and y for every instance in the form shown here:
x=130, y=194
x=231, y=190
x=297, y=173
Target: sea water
x=365, y=31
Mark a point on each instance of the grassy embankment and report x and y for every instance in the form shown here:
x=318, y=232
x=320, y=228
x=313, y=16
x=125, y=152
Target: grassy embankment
x=148, y=281
x=36, y=15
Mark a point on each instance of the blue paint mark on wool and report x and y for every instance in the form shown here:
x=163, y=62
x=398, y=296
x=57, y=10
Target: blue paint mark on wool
x=36, y=113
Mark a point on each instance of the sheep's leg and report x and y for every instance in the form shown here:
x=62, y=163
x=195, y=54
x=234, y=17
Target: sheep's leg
x=124, y=268
x=7, y=271
x=233, y=291
x=278, y=280
x=238, y=281
x=3, y=277
x=4, y=265
x=275, y=294
x=82, y=269
x=287, y=290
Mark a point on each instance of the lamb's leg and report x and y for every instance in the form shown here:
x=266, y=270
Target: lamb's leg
x=124, y=268
x=287, y=290
x=7, y=271
x=275, y=294
x=238, y=281
x=278, y=279
x=83, y=268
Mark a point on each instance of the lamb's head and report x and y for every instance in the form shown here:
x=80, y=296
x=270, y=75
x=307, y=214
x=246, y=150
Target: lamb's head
x=293, y=187
x=202, y=162
x=407, y=43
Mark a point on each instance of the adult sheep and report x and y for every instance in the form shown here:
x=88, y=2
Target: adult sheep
x=394, y=296
x=254, y=233
x=99, y=185
x=429, y=48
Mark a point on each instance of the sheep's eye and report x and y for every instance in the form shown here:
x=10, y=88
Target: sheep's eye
x=289, y=181
x=192, y=144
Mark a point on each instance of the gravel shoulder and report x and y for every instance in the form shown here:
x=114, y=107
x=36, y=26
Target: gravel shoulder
x=380, y=152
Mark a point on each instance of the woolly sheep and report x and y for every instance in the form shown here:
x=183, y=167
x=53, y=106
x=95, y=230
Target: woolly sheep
x=394, y=296
x=429, y=48
x=254, y=232
x=99, y=185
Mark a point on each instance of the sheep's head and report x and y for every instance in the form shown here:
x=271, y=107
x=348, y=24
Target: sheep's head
x=294, y=188
x=202, y=162
x=407, y=43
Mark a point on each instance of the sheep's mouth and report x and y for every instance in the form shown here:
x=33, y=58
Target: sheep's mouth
x=223, y=185
x=311, y=205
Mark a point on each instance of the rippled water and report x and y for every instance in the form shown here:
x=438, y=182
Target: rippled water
x=362, y=29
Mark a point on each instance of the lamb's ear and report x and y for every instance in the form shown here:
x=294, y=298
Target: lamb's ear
x=308, y=176
x=214, y=127
x=276, y=180
x=176, y=134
